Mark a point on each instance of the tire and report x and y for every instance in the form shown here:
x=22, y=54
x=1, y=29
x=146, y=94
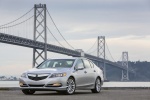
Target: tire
x=97, y=87
x=28, y=92
x=71, y=86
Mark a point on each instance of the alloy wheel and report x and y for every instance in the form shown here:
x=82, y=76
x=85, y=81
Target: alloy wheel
x=98, y=85
x=71, y=86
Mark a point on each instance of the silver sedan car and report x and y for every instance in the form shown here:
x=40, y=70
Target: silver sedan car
x=62, y=75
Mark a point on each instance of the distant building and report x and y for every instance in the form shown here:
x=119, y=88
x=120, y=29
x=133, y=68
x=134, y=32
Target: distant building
x=3, y=78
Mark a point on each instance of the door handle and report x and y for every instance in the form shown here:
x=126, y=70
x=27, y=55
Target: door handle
x=94, y=70
x=85, y=72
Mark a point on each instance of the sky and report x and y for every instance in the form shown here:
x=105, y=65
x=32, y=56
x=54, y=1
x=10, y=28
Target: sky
x=124, y=23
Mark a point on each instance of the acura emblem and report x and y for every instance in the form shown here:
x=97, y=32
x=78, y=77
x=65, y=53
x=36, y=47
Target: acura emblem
x=36, y=75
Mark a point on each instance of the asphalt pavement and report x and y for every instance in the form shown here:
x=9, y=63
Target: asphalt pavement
x=129, y=94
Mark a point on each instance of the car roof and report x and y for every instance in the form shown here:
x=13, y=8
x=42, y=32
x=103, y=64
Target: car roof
x=67, y=58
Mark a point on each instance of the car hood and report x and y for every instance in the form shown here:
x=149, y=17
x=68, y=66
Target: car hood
x=48, y=70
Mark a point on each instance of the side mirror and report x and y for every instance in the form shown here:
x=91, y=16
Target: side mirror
x=79, y=68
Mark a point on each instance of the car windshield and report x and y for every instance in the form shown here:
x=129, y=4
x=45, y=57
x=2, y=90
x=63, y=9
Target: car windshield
x=57, y=63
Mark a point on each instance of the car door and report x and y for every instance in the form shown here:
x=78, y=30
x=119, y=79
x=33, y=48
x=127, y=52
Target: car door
x=80, y=73
x=89, y=72
x=93, y=72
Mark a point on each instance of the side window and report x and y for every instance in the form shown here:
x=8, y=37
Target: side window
x=87, y=63
x=80, y=64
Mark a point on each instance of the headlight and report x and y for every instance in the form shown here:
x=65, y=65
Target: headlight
x=24, y=75
x=58, y=75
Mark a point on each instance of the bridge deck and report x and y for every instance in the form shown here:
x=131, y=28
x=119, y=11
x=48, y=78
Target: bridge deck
x=15, y=40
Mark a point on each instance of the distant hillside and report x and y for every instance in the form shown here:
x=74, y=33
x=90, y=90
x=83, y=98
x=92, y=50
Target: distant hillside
x=142, y=72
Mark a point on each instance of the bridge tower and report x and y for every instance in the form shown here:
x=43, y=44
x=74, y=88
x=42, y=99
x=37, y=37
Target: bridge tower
x=101, y=52
x=125, y=74
x=40, y=33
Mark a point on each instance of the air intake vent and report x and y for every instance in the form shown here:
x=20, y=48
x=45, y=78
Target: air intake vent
x=40, y=85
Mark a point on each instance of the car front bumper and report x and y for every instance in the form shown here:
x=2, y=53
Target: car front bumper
x=44, y=88
x=58, y=83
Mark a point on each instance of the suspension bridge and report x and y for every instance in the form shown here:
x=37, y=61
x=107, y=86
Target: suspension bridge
x=21, y=32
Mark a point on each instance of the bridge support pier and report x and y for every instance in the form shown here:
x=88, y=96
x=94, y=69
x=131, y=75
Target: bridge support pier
x=125, y=74
x=39, y=33
x=101, y=52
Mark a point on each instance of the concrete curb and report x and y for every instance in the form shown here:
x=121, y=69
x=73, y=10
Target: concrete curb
x=124, y=88
x=9, y=88
x=103, y=88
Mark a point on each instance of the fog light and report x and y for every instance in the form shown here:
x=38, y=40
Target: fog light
x=56, y=84
x=21, y=84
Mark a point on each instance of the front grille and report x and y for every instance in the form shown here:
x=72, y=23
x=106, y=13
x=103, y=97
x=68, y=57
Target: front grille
x=37, y=77
x=40, y=85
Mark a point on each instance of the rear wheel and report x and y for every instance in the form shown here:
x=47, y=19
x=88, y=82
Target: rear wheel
x=71, y=86
x=28, y=92
x=97, y=87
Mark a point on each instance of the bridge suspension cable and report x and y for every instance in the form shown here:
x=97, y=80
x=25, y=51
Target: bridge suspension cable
x=93, y=51
x=17, y=23
x=59, y=30
x=54, y=36
x=110, y=53
x=17, y=18
x=130, y=66
x=92, y=46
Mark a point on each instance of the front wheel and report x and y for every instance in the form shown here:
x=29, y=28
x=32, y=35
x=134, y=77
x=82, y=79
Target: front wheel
x=71, y=86
x=97, y=87
x=28, y=92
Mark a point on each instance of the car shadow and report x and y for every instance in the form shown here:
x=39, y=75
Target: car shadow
x=62, y=94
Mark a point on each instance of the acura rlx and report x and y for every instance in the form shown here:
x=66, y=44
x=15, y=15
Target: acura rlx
x=62, y=75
